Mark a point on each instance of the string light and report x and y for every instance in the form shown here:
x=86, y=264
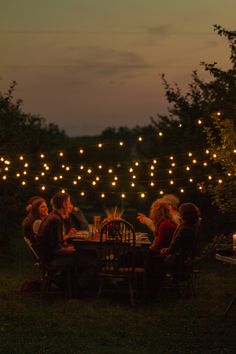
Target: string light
x=42, y=156
x=100, y=145
x=142, y=195
x=123, y=195
x=121, y=143
x=140, y=138
x=61, y=154
x=160, y=134
x=102, y=195
x=81, y=151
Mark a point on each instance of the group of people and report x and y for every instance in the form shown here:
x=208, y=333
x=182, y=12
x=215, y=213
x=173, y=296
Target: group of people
x=175, y=235
x=49, y=232
x=176, y=240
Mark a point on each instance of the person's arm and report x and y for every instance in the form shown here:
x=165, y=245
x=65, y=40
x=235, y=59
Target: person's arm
x=146, y=221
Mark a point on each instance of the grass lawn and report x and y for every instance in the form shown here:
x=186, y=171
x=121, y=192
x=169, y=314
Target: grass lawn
x=30, y=323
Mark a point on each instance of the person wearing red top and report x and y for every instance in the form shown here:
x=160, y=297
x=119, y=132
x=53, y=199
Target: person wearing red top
x=164, y=231
x=164, y=225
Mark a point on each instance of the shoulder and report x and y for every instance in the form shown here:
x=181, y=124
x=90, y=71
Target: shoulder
x=168, y=224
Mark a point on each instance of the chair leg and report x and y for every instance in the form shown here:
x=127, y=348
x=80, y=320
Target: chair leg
x=229, y=306
x=131, y=292
x=100, y=287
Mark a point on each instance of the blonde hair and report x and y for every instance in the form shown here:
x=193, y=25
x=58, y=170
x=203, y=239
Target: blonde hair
x=159, y=211
x=171, y=199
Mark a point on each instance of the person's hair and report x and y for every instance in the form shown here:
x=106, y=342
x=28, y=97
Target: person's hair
x=159, y=211
x=171, y=199
x=30, y=202
x=35, y=206
x=189, y=213
x=58, y=199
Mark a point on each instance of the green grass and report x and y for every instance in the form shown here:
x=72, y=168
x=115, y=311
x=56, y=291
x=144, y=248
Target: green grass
x=30, y=323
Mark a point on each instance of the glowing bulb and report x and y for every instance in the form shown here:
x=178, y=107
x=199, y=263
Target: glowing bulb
x=214, y=156
x=100, y=145
x=142, y=195
x=63, y=191
x=115, y=178
x=194, y=161
x=42, y=173
x=181, y=190
x=113, y=183
x=36, y=178
x=79, y=177
x=21, y=157
x=207, y=152
x=154, y=161
x=102, y=195
x=26, y=165
x=136, y=163
x=97, y=178
x=55, y=178
x=218, y=113
x=161, y=192
x=18, y=175
x=151, y=174
x=81, y=167
x=47, y=168
x=6, y=168
x=121, y=143
x=160, y=134
x=134, y=177
x=140, y=138
x=123, y=195
x=171, y=182
x=187, y=168
x=190, y=180
x=60, y=177
x=61, y=154
x=171, y=158
x=42, y=156
x=7, y=162
x=110, y=170
x=43, y=188
x=199, y=121
x=24, y=172
x=89, y=170
x=94, y=183
x=100, y=167
x=170, y=172
x=209, y=177
x=81, y=151
x=75, y=182
x=63, y=166
x=205, y=164
x=67, y=168
x=152, y=184
x=131, y=170
x=82, y=194
x=190, y=154
x=173, y=164
x=220, y=181
x=4, y=177
x=180, y=125
x=152, y=167
x=132, y=184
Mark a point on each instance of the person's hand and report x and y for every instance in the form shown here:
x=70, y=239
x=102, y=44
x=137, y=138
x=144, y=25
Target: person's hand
x=71, y=232
x=163, y=251
x=142, y=218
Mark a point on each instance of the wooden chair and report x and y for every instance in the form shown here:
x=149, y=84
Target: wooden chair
x=49, y=272
x=117, y=256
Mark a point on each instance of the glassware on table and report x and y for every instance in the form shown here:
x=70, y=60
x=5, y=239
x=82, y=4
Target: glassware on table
x=96, y=225
x=234, y=244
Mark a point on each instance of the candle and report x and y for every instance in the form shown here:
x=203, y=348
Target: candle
x=234, y=244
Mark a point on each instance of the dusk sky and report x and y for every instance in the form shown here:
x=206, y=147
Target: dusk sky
x=89, y=64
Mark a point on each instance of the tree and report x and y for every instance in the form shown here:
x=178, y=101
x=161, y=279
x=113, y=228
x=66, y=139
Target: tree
x=200, y=105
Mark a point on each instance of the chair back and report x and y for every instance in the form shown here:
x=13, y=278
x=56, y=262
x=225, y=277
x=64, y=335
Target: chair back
x=29, y=244
x=117, y=247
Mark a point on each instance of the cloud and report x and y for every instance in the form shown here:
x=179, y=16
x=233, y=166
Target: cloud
x=161, y=30
x=106, y=61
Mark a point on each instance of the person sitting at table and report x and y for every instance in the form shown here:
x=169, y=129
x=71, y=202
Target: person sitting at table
x=164, y=231
x=185, y=240
x=75, y=219
x=37, y=211
x=53, y=248
x=172, y=203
